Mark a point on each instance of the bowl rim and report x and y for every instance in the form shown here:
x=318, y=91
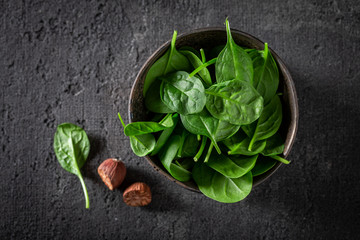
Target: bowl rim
x=293, y=101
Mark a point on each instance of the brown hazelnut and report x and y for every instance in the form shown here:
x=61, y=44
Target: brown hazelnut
x=137, y=195
x=112, y=172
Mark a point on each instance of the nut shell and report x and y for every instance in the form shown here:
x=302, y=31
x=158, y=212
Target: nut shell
x=112, y=171
x=137, y=195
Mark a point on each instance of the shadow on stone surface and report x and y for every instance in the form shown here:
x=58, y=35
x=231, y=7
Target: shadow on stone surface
x=97, y=145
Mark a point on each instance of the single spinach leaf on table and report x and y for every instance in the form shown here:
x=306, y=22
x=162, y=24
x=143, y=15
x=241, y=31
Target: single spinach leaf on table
x=269, y=121
x=262, y=165
x=72, y=146
x=139, y=128
x=182, y=94
x=204, y=124
x=197, y=62
x=234, y=101
x=153, y=101
x=220, y=188
x=266, y=73
x=167, y=156
x=239, y=143
x=233, y=62
x=171, y=61
x=141, y=145
x=231, y=166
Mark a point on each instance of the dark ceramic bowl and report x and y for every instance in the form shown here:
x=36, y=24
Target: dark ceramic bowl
x=208, y=38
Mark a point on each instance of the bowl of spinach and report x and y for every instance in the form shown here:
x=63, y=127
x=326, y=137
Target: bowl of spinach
x=214, y=110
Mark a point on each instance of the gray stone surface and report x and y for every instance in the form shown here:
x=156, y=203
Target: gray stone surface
x=75, y=61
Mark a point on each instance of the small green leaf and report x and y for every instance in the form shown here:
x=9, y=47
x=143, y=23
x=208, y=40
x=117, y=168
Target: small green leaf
x=72, y=146
x=234, y=101
x=167, y=156
x=274, y=145
x=269, y=121
x=171, y=61
x=183, y=94
x=232, y=167
x=142, y=145
x=233, y=62
x=164, y=136
x=189, y=145
x=266, y=73
x=220, y=188
x=139, y=128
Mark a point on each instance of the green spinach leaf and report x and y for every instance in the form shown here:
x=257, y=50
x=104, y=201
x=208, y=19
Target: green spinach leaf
x=182, y=94
x=141, y=145
x=205, y=124
x=274, y=145
x=189, y=146
x=139, y=128
x=266, y=73
x=220, y=188
x=234, y=101
x=164, y=136
x=269, y=121
x=232, y=167
x=233, y=62
x=72, y=146
x=167, y=156
x=171, y=61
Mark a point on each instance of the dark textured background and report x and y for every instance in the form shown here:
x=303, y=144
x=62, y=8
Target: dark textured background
x=75, y=61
